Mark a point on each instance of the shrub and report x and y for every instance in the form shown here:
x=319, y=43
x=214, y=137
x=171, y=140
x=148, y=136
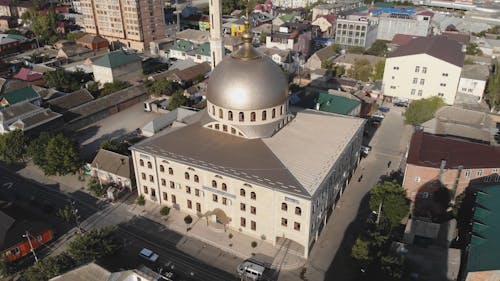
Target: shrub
x=165, y=211
x=140, y=200
x=253, y=244
x=230, y=235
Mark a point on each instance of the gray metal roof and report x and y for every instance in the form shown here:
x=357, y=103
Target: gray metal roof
x=475, y=71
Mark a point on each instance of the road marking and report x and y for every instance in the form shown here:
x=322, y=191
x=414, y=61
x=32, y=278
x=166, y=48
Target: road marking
x=8, y=185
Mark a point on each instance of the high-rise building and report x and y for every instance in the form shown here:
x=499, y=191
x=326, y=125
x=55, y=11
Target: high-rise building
x=134, y=23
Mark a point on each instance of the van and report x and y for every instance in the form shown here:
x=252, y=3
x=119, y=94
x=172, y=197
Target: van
x=251, y=270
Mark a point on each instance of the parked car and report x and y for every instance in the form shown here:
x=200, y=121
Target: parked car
x=401, y=103
x=378, y=115
x=383, y=109
x=148, y=255
x=365, y=150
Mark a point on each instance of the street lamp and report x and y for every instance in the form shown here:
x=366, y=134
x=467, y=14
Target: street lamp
x=27, y=236
x=74, y=210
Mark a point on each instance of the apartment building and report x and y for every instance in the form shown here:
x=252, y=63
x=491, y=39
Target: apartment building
x=292, y=36
x=425, y=67
x=394, y=21
x=133, y=23
x=355, y=31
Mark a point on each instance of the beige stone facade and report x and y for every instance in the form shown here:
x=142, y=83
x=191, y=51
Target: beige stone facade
x=133, y=23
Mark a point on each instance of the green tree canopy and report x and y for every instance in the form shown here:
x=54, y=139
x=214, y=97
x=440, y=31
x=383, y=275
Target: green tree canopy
x=392, y=197
x=43, y=24
x=58, y=156
x=12, y=146
x=493, y=90
x=49, y=267
x=109, y=88
x=379, y=70
x=361, y=251
x=177, y=100
x=115, y=146
x=361, y=70
x=37, y=147
x=93, y=245
x=378, y=48
x=336, y=47
x=162, y=86
x=422, y=110
x=473, y=49
x=65, y=81
x=356, y=50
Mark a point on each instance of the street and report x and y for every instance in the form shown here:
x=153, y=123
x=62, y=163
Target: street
x=136, y=231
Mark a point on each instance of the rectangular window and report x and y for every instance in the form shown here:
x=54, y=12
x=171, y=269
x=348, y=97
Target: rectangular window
x=189, y=204
x=174, y=200
x=151, y=179
x=413, y=92
x=143, y=176
x=253, y=210
x=445, y=74
x=214, y=198
x=415, y=80
x=163, y=182
x=442, y=84
x=188, y=190
x=467, y=173
x=422, y=81
x=284, y=222
x=243, y=222
x=417, y=68
x=253, y=225
x=243, y=207
x=479, y=173
x=440, y=94
x=172, y=184
x=494, y=171
x=224, y=201
x=153, y=193
x=145, y=190
x=165, y=196
x=417, y=179
x=424, y=69
x=198, y=207
x=197, y=192
x=419, y=93
x=396, y=68
x=296, y=226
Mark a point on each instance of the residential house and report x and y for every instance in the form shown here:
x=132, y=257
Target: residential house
x=13, y=241
x=336, y=102
x=28, y=75
x=400, y=40
x=317, y=60
x=93, y=42
x=187, y=76
x=355, y=31
x=117, y=65
x=462, y=38
x=180, y=49
x=30, y=119
x=193, y=36
x=27, y=94
x=73, y=52
x=113, y=168
x=95, y=272
x=473, y=80
x=392, y=21
x=183, y=49
x=283, y=58
x=348, y=60
x=335, y=8
x=452, y=162
x=8, y=45
x=483, y=251
x=286, y=18
x=68, y=101
x=489, y=47
x=295, y=37
x=425, y=67
x=326, y=24
x=238, y=27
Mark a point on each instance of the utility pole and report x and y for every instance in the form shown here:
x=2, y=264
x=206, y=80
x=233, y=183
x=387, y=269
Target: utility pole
x=178, y=16
x=27, y=236
x=379, y=211
x=74, y=210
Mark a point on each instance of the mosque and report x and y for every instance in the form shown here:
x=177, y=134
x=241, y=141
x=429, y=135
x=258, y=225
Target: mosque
x=248, y=162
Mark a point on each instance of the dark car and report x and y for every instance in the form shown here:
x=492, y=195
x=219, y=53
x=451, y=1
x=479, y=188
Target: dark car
x=384, y=109
x=401, y=104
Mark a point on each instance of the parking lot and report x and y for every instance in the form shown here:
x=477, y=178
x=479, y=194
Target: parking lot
x=114, y=126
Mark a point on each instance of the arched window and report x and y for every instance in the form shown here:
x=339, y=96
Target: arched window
x=284, y=207
x=264, y=115
x=230, y=115
x=242, y=192
x=141, y=162
x=150, y=165
x=214, y=184
x=233, y=131
x=186, y=175
x=162, y=168
x=252, y=116
x=242, y=117
x=213, y=110
x=170, y=171
x=253, y=196
x=221, y=114
x=196, y=178
x=273, y=115
x=224, y=187
x=298, y=211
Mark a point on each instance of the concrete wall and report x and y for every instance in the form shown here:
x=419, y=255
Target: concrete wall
x=130, y=72
x=472, y=87
x=400, y=72
x=388, y=27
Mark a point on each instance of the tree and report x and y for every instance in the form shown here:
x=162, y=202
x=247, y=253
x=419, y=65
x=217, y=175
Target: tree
x=337, y=48
x=356, y=50
x=61, y=156
x=473, y=49
x=165, y=211
x=392, y=267
x=361, y=251
x=12, y=146
x=96, y=188
x=73, y=36
x=162, y=86
x=361, y=70
x=422, y=110
x=177, y=100
x=115, y=146
x=468, y=61
x=93, y=245
x=67, y=214
x=327, y=64
x=65, y=81
x=49, y=267
x=391, y=199
x=6, y=267
x=338, y=70
x=109, y=88
x=188, y=220
x=36, y=149
x=493, y=89
x=140, y=200
x=378, y=48
x=43, y=24
x=379, y=70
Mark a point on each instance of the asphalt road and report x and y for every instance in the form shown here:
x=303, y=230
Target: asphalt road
x=136, y=231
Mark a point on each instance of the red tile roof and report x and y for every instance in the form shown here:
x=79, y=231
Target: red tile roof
x=426, y=13
x=461, y=38
x=26, y=74
x=402, y=39
x=428, y=151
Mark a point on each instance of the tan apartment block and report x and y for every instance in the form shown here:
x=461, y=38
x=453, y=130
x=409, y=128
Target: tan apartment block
x=134, y=23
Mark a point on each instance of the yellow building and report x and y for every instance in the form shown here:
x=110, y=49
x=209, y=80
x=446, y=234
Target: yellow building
x=238, y=27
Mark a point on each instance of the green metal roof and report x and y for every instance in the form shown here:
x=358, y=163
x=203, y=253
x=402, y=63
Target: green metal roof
x=485, y=242
x=362, y=8
x=116, y=59
x=288, y=17
x=16, y=37
x=203, y=49
x=24, y=94
x=329, y=103
x=383, y=5
x=182, y=45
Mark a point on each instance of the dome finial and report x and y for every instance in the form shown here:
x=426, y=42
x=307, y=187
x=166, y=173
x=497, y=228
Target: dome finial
x=247, y=35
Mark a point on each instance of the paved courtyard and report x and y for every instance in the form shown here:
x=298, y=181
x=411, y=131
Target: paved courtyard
x=116, y=125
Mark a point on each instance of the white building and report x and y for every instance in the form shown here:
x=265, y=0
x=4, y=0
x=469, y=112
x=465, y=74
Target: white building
x=355, y=31
x=425, y=67
x=473, y=80
x=117, y=65
x=247, y=162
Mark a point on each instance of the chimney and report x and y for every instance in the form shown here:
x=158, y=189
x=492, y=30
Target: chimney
x=441, y=169
x=317, y=106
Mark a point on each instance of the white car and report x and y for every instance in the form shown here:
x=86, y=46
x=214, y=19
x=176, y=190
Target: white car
x=378, y=115
x=365, y=150
x=149, y=255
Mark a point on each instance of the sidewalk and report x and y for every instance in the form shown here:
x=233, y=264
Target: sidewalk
x=239, y=244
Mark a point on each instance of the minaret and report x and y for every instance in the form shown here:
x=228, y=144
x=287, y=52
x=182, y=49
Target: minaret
x=216, y=46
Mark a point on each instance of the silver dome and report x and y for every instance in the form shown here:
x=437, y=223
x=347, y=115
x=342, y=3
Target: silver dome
x=247, y=80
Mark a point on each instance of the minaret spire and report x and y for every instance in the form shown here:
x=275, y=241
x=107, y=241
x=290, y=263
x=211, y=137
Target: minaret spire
x=216, y=45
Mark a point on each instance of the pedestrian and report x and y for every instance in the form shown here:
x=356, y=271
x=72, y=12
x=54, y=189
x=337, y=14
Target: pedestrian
x=360, y=177
x=389, y=164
